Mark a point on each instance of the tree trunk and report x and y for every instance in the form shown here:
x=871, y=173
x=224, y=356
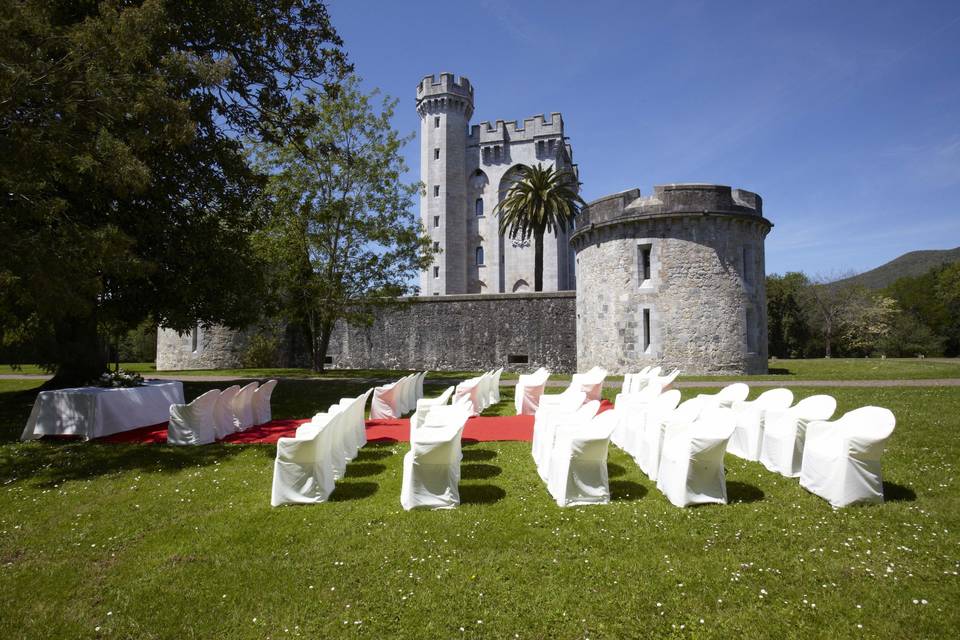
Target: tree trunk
x=827, y=338
x=538, y=260
x=81, y=354
x=326, y=328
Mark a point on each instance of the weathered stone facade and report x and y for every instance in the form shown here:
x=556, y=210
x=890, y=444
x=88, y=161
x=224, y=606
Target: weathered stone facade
x=676, y=279
x=468, y=332
x=466, y=171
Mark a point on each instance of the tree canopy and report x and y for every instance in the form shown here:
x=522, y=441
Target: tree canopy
x=126, y=191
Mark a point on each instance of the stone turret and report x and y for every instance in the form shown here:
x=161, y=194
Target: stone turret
x=676, y=279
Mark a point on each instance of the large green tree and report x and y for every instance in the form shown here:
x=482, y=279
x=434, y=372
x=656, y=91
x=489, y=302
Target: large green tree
x=341, y=239
x=124, y=185
x=542, y=199
x=787, y=326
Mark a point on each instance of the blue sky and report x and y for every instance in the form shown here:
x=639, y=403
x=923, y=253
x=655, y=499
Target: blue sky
x=844, y=116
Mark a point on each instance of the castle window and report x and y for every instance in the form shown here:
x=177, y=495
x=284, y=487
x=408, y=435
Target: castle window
x=496, y=154
x=751, y=331
x=644, y=270
x=518, y=358
x=748, y=264
x=436, y=122
x=436, y=221
x=436, y=272
x=436, y=246
x=436, y=153
x=478, y=207
x=195, y=338
x=550, y=145
x=479, y=255
x=646, y=331
x=540, y=148
x=436, y=191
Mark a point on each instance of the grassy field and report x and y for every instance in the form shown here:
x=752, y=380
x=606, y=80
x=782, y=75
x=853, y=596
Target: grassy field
x=156, y=542
x=785, y=370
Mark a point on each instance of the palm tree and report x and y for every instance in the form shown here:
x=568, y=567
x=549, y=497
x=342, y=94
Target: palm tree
x=541, y=200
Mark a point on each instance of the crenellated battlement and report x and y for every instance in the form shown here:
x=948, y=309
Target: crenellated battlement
x=533, y=128
x=447, y=83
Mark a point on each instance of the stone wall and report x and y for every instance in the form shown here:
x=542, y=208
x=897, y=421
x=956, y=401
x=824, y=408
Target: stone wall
x=465, y=332
x=702, y=308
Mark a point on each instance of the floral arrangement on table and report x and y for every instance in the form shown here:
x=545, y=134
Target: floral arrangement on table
x=120, y=378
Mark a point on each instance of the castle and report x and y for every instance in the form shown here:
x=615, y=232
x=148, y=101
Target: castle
x=467, y=171
x=676, y=278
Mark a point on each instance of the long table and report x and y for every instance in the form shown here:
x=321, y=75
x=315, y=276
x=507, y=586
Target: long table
x=92, y=412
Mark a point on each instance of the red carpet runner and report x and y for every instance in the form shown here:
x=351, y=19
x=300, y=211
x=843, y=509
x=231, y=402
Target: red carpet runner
x=479, y=429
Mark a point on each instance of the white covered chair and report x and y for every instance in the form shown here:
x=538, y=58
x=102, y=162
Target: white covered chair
x=751, y=421
x=194, y=423
x=590, y=382
x=262, y=413
x=431, y=469
x=548, y=432
x=223, y=416
x=643, y=418
x=691, y=463
x=578, y=462
x=243, y=406
x=841, y=459
x=564, y=404
x=338, y=438
x=410, y=385
x=303, y=472
x=527, y=393
x=629, y=408
x=784, y=434
x=662, y=382
x=355, y=431
x=469, y=392
x=387, y=403
x=736, y=392
x=420, y=378
x=495, y=387
x=425, y=404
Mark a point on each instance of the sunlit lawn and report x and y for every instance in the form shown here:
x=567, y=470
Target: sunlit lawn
x=156, y=542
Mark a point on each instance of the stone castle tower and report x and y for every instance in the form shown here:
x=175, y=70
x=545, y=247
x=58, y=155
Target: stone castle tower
x=466, y=172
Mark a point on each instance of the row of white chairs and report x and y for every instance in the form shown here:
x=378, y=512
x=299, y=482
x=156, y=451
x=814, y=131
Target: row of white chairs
x=479, y=393
x=529, y=391
x=681, y=446
x=216, y=414
x=308, y=465
x=393, y=400
x=431, y=468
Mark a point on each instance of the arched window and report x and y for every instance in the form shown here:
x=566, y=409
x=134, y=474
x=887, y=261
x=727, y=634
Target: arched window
x=479, y=256
x=478, y=206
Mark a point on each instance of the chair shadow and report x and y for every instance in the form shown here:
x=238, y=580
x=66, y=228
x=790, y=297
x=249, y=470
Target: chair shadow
x=893, y=492
x=364, y=469
x=615, y=470
x=626, y=490
x=743, y=492
x=778, y=371
x=373, y=454
x=478, y=471
x=345, y=491
x=478, y=454
x=481, y=494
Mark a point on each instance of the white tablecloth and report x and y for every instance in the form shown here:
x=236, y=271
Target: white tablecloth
x=92, y=412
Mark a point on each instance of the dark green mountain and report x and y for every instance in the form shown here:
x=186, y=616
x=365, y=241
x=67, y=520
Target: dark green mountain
x=914, y=263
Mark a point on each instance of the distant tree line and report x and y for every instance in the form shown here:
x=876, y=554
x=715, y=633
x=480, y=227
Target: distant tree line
x=913, y=316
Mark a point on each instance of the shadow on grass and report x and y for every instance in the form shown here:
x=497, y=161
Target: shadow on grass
x=345, y=491
x=472, y=455
x=481, y=494
x=893, y=492
x=479, y=471
x=50, y=463
x=615, y=470
x=373, y=454
x=743, y=492
x=364, y=469
x=778, y=371
x=626, y=490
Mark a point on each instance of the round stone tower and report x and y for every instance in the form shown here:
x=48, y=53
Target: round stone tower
x=445, y=108
x=676, y=279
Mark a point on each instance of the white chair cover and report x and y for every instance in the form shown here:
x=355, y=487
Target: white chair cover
x=409, y=393
x=431, y=469
x=495, y=386
x=643, y=416
x=425, y=404
x=731, y=393
x=386, y=401
x=420, y=378
x=194, y=423
x=590, y=382
x=261, y=402
x=337, y=443
x=548, y=432
x=527, y=393
x=691, y=464
x=662, y=422
x=628, y=407
x=243, y=406
x=563, y=405
x=223, y=416
x=784, y=434
x=469, y=393
x=578, y=463
x=751, y=419
x=841, y=459
x=355, y=432
x=303, y=470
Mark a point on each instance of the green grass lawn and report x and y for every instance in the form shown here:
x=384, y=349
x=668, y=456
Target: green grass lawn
x=157, y=542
